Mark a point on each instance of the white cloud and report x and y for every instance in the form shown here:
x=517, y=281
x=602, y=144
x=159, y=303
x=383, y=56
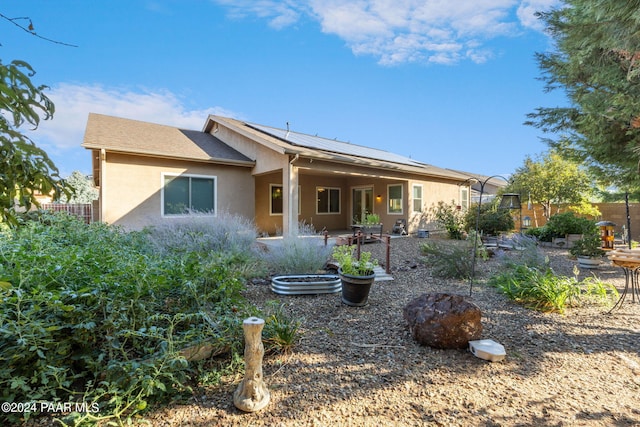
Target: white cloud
x=527, y=9
x=396, y=31
x=74, y=103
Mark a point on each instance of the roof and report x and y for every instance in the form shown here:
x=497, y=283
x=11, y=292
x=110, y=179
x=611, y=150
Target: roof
x=333, y=145
x=289, y=142
x=136, y=137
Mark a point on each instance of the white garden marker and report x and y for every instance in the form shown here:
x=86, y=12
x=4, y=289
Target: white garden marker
x=252, y=394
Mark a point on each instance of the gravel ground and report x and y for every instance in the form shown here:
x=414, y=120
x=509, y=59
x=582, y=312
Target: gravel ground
x=358, y=366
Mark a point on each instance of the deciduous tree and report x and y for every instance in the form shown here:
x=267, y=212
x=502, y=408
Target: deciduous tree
x=551, y=181
x=25, y=169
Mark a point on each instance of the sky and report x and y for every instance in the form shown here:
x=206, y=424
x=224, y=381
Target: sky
x=448, y=83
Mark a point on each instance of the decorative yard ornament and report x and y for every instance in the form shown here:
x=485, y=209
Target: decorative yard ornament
x=252, y=394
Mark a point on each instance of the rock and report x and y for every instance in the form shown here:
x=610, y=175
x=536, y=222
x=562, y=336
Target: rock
x=443, y=320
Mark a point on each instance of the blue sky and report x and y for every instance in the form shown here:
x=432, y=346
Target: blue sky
x=446, y=83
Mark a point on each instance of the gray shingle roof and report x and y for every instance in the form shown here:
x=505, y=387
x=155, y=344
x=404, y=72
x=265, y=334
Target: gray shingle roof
x=137, y=137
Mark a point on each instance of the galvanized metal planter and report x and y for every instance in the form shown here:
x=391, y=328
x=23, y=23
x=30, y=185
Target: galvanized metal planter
x=306, y=284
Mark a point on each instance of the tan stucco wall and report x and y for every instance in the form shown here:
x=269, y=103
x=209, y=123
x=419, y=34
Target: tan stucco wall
x=131, y=188
x=269, y=160
x=433, y=191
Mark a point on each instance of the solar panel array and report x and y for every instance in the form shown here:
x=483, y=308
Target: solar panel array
x=334, y=146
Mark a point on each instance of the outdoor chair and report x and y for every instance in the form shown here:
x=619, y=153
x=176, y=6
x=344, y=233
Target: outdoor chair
x=400, y=227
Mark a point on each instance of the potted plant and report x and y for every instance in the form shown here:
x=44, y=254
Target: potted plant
x=588, y=250
x=369, y=225
x=357, y=275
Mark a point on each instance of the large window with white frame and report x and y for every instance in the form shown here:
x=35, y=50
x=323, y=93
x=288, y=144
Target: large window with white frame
x=417, y=197
x=188, y=194
x=327, y=200
x=275, y=201
x=394, y=195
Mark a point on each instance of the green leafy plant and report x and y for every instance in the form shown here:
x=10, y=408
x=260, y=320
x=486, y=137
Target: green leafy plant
x=371, y=219
x=492, y=219
x=589, y=246
x=451, y=218
x=346, y=257
x=96, y=314
x=281, y=332
x=559, y=225
x=544, y=291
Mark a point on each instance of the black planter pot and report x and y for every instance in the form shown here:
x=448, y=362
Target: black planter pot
x=355, y=289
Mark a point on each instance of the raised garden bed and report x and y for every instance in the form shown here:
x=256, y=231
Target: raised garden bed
x=306, y=284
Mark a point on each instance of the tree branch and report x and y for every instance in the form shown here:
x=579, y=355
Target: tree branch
x=31, y=31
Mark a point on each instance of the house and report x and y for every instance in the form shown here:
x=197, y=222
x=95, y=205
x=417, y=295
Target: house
x=149, y=173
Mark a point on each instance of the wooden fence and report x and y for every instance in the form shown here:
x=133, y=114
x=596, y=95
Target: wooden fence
x=81, y=210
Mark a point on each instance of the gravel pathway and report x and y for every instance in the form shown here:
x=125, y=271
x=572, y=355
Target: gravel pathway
x=358, y=366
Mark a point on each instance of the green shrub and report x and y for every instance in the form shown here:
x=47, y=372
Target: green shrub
x=559, y=225
x=451, y=218
x=92, y=313
x=281, y=332
x=492, y=220
x=449, y=259
x=544, y=291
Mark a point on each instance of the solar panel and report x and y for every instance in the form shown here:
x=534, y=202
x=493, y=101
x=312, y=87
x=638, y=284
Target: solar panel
x=334, y=146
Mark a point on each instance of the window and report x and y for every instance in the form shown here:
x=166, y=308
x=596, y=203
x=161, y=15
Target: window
x=417, y=198
x=328, y=200
x=188, y=194
x=464, y=198
x=276, y=199
x=394, y=193
x=276, y=192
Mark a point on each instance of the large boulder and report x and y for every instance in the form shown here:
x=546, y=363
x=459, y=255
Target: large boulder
x=443, y=320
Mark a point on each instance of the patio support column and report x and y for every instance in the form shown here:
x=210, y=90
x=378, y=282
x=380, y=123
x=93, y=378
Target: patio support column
x=290, y=201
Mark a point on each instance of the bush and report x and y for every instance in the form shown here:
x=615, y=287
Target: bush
x=544, y=291
x=226, y=233
x=449, y=259
x=451, y=218
x=492, y=220
x=303, y=254
x=91, y=313
x=559, y=225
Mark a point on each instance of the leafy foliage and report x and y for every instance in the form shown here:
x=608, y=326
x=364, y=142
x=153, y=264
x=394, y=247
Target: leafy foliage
x=26, y=169
x=565, y=223
x=91, y=313
x=551, y=180
x=83, y=189
x=349, y=263
x=595, y=64
x=492, y=220
x=543, y=290
x=451, y=218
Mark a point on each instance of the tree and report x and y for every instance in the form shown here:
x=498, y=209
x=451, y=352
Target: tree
x=25, y=169
x=84, y=191
x=597, y=64
x=551, y=180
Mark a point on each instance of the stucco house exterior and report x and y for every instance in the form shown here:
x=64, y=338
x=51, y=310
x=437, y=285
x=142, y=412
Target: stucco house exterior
x=149, y=173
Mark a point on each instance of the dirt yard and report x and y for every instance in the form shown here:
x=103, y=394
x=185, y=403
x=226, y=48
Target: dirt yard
x=360, y=367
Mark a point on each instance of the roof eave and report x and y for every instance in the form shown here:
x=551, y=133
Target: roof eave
x=216, y=160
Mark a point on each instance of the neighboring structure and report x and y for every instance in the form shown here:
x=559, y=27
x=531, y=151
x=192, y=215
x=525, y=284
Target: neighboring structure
x=148, y=173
